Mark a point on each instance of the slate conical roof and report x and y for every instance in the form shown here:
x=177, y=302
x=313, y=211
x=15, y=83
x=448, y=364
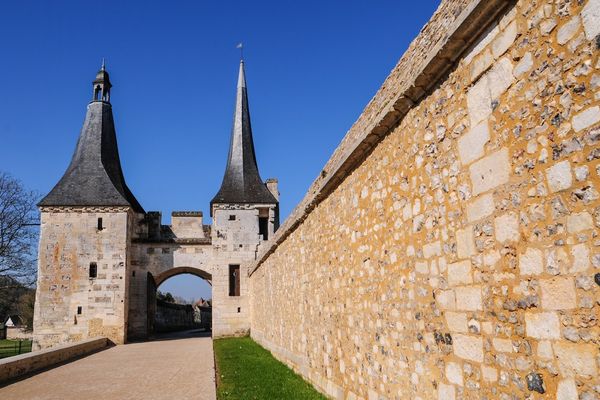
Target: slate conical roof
x=242, y=183
x=94, y=177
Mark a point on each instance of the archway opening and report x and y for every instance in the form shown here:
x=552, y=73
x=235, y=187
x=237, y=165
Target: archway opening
x=182, y=300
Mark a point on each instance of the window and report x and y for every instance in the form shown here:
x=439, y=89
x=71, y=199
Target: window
x=263, y=227
x=234, y=280
x=232, y=217
x=100, y=227
x=79, y=310
x=98, y=93
x=93, y=270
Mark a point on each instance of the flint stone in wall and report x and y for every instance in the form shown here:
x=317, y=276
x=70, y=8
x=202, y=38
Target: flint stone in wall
x=591, y=19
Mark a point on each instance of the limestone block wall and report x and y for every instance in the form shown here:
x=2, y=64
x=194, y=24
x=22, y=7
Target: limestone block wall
x=449, y=250
x=187, y=224
x=171, y=316
x=160, y=260
x=235, y=241
x=70, y=305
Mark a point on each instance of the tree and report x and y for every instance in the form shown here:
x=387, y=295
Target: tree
x=25, y=308
x=18, y=232
x=11, y=293
x=167, y=297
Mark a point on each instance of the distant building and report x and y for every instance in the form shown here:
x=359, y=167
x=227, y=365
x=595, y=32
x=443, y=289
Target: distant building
x=16, y=328
x=14, y=321
x=203, y=313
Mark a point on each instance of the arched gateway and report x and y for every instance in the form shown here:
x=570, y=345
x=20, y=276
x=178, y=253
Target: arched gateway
x=102, y=255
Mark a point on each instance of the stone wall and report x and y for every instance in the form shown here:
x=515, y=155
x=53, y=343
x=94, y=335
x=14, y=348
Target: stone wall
x=449, y=249
x=152, y=264
x=17, y=367
x=173, y=317
x=71, y=305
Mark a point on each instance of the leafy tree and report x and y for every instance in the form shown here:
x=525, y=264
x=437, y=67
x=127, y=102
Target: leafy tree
x=167, y=297
x=18, y=233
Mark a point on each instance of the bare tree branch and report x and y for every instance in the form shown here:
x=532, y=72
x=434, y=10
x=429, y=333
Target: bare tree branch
x=18, y=233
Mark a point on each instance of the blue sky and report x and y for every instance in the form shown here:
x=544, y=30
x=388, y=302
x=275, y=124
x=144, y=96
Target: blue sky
x=311, y=68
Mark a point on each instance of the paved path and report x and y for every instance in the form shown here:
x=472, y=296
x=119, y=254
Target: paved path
x=176, y=367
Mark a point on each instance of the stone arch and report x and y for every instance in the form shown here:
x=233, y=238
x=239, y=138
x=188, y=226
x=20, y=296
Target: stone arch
x=163, y=276
x=154, y=281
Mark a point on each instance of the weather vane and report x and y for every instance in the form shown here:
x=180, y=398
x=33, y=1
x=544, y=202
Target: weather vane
x=241, y=47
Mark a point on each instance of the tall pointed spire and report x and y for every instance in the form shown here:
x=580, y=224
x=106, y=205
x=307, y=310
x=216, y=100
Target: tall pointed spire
x=242, y=182
x=95, y=177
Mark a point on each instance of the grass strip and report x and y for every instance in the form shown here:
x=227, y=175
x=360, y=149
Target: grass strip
x=245, y=370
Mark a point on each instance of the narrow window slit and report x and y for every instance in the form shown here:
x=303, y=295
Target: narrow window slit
x=93, y=270
x=263, y=227
x=234, y=280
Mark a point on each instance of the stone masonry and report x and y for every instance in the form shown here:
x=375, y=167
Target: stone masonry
x=102, y=257
x=449, y=249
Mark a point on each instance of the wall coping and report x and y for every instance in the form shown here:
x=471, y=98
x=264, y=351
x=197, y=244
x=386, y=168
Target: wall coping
x=415, y=75
x=17, y=366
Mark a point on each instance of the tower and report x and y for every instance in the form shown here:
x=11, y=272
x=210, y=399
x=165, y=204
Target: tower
x=242, y=187
x=245, y=214
x=87, y=222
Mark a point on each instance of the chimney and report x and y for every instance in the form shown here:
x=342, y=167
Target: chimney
x=272, y=186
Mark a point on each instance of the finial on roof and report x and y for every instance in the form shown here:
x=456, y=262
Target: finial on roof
x=241, y=47
x=103, y=65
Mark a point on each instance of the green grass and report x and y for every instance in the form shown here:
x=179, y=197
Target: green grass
x=247, y=371
x=10, y=347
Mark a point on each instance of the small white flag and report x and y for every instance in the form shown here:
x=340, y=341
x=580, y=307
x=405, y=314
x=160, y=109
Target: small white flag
x=239, y=46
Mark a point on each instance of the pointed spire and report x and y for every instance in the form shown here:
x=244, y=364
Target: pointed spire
x=103, y=65
x=242, y=182
x=94, y=176
x=242, y=77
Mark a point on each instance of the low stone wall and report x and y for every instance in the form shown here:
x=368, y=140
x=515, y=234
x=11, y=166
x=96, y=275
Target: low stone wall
x=17, y=366
x=18, y=333
x=450, y=248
